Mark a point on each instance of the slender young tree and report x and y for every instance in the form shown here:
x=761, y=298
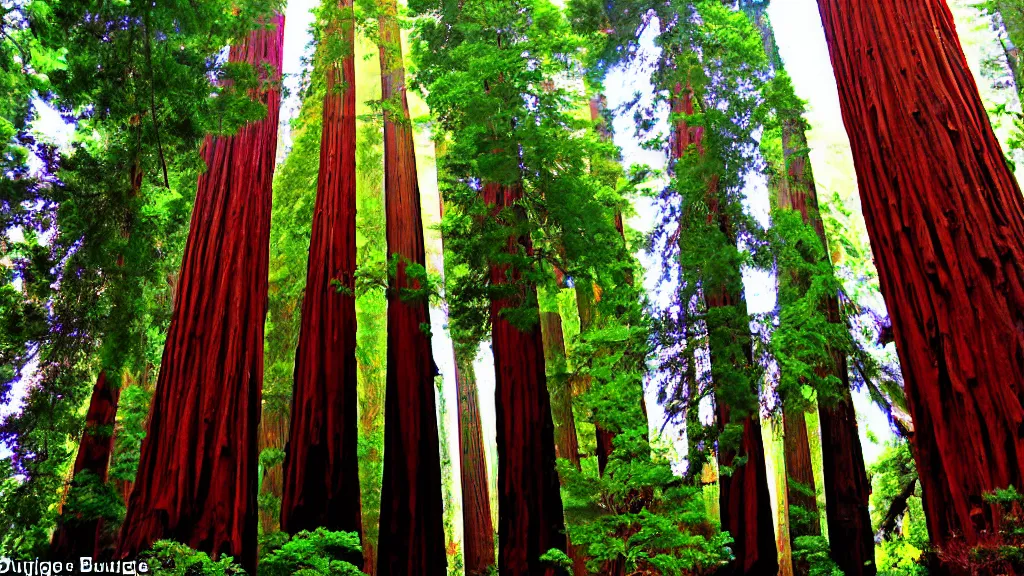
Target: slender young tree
x=845, y=476
x=321, y=469
x=411, y=519
x=198, y=471
x=946, y=221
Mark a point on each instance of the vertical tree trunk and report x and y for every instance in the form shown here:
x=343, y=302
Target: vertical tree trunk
x=477, y=521
x=846, y=485
x=198, y=471
x=321, y=468
x=566, y=443
x=75, y=537
x=273, y=434
x=743, y=495
x=477, y=525
x=946, y=222
x=800, y=487
x=529, y=502
x=411, y=520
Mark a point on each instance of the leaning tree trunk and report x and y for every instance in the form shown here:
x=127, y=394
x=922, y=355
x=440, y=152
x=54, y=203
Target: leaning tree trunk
x=946, y=221
x=198, y=471
x=529, y=502
x=411, y=518
x=321, y=468
x=79, y=537
x=846, y=485
x=744, y=497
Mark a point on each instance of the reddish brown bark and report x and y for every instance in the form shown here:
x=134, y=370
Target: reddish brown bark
x=273, y=433
x=477, y=521
x=477, y=525
x=847, y=488
x=411, y=523
x=198, y=470
x=744, y=497
x=946, y=221
x=800, y=488
x=529, y=503
x=76, y=537
x=321, y=468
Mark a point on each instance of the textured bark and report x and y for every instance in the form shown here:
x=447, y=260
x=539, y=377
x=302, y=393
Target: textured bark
x=477, y=525
x=946, y=221
x=74, y=537
x=847, y=489
x=321, y=468
x=799, y=469
x=744, y=497
x=273, y=434
x=198, y=470
x=477, y=521
x=411, y=520
x=529, y=503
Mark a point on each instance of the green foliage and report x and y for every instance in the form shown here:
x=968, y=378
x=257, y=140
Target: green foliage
x=640, y=513
x=901, y=553
x=813, y=551
x=488, y=71
x=171, y=558
x=317, y=553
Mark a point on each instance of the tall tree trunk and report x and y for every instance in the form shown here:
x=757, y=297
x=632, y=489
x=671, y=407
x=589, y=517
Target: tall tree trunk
x=79, y=537
x=273, y=434
x=800, y=488
x=743, y=495
x=529, y=502
x=198, y=470
x=566, y=443
x=946, y=221
x=477, y=524
x=846, y=485
x=477, y=521
x=411, y=520
x=321, y=468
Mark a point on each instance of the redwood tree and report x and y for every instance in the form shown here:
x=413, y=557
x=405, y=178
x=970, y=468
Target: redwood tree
x=411, y=522
x=477, y=524
x=198, y=471
x=321, y=468
x=79, y=537
x=845, y=477
x=946, y=222
x=744, y=498
x=529, y=502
